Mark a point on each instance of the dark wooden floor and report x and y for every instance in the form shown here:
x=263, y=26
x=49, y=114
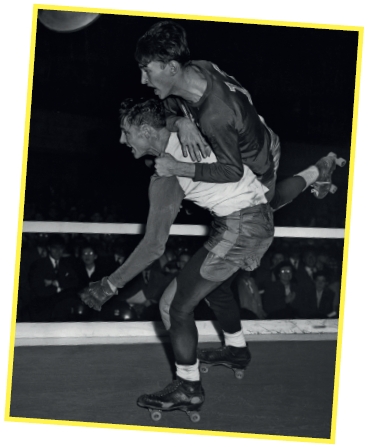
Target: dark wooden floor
x=287, y=389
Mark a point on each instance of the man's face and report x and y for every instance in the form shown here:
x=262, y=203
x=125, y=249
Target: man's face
x=133, y=137
x=88, y=256
x=56, y=252
x=286, y=273
x=310, y=259
x=157, y=76
x=320, y=282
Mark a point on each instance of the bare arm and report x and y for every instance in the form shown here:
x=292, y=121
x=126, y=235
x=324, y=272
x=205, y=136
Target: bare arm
x=165, y=196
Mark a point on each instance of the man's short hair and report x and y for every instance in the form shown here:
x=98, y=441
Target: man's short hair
x=88, y=246
x=165, y=41
x=149, y=112
x=282, y=265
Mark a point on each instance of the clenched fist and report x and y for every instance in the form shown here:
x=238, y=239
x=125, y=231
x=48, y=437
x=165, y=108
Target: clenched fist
x=166, y=165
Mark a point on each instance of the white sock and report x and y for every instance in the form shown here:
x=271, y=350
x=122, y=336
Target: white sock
x=237, y=340
x=310, y=175
x=188, y=372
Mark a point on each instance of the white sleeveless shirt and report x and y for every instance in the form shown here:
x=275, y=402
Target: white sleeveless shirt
x=221, y=199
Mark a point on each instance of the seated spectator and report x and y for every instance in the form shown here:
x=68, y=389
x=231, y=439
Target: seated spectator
x=325, y=299
x=335, y=274
x=295, y=256
x=157, y=280
x=76, y=242
x=279, y=297
x=89, y=269
x=322, y=260
x=319, y=303
x=52, y=280
x=119, y=252
x=245, y=291
x=143, y=293
x=304, y=277
x=306, y=269
x=32, y=250
x=249, y=298
x=335, y=287
x=264, y=274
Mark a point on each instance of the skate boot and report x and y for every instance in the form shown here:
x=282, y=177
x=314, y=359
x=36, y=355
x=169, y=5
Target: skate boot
x=235, y=358
x=326, y=166
x=181, y=394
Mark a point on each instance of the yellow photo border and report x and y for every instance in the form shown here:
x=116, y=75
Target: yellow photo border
x=360, y=31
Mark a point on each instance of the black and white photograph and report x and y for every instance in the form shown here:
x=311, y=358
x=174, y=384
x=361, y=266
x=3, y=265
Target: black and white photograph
x=184, y=224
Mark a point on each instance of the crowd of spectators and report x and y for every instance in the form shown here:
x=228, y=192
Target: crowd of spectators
x=298, y=278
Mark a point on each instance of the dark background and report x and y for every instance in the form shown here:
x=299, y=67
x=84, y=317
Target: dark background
x=301, y=81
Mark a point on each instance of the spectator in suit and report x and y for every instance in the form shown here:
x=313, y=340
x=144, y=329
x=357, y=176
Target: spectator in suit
x=335, y=274
x=265, y=273
x=52, y=280
x=249, y=298
x=279, y=297
x=145, y=291
x=295, y=256
x=89, y=268
x=319, y=303
x=32, y=250
x=142, y=293
x=117, y=256
x=304, y=276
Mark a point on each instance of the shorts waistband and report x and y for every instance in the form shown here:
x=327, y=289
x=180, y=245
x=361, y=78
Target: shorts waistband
x=243, y=211
x=254, y=208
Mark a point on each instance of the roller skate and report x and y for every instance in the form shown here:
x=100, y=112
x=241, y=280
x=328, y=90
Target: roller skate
x=235, y=358
x=181, y=394
x=326, y=166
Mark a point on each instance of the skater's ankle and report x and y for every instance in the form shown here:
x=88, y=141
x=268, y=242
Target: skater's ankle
x=188, y=372
x=310, y=175
x=237, y=339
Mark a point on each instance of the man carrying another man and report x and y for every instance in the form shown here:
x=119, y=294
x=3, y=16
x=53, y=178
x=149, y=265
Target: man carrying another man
x=236, y=182
x=242, y=231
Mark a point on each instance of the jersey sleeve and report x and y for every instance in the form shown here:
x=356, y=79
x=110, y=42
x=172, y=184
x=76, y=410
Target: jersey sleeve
x=165, y=197
x=223, y=138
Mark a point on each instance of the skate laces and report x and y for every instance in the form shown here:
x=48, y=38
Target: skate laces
x=171, y=387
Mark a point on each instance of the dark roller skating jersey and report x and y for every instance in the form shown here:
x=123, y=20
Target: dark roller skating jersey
x=231, y=125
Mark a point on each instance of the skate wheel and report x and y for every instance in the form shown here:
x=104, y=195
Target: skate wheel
x=341, y=162
x=155, y=415
x=203, y=369
x=194, y=416
x=239, y=374
x=333, y=189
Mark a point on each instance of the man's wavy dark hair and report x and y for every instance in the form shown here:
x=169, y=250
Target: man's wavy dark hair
x=138, y=112
x=164, y=41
